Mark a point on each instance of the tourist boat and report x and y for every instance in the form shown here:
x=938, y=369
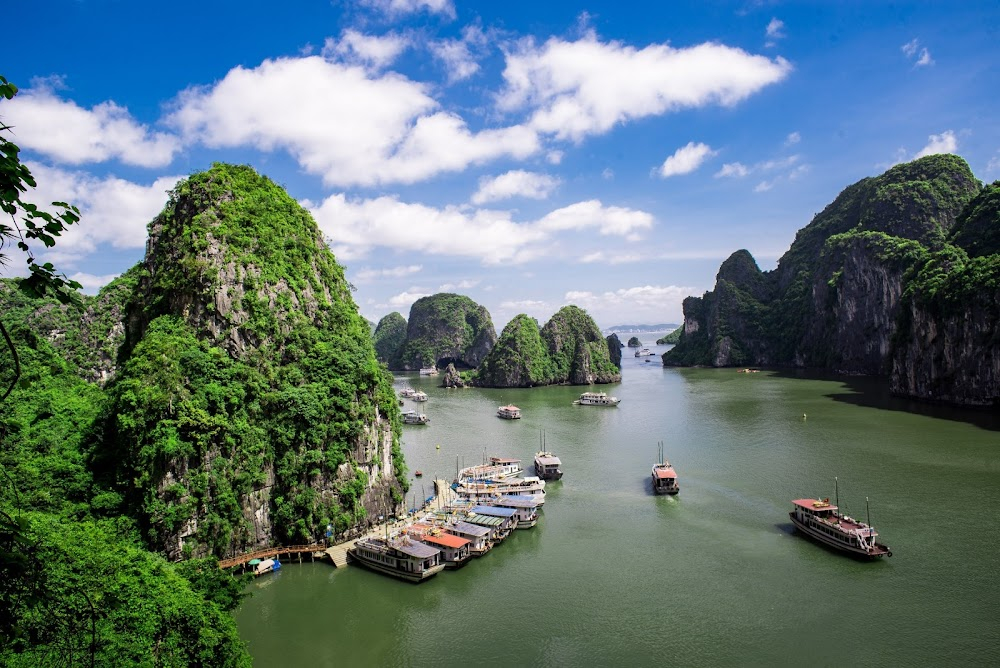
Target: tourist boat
x=597, y=399
x=418, y=473
x=529, y=486
x=820, y=520
x=413, y=417
x=644, y=352
x=406, y=393
x=509, y=412
x=429, y=371
x=497, y=468
x=401, y=557
x=547, y=466
x=419, y=395
x=478, y=536
x=664, y=476
x=455, y=550
x=525, y=508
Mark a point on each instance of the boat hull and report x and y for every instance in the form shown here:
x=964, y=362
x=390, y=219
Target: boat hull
x=548, y=475
x=392, y=572
x=854, y=550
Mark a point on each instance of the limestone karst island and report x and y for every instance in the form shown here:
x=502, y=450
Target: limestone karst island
x=423, y=333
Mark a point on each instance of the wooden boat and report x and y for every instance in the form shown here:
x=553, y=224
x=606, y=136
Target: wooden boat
x=419, y=395
x=596, y=399
x=822, y=521
x=547, y=466
x=529, y=486
x=509, y=412
x=664, y=476
x=402, y=557
x=413, y=417
x=496, y=468
x=429, y=371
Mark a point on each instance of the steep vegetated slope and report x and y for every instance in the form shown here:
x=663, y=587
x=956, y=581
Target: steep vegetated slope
x=896, y=277
x=446, y=329
x=389, y=336
x=568, y=349
x=250, y=407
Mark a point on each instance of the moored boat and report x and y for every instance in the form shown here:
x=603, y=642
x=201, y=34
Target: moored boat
x=413, y=417
x=525, y=508
x=478, y=536
x=529, y=486
x=664, y=476
x=401, y=557
x=429, y=371
x=509, y=412
x=419, y=395
x=455, y=550
x=547, y=466
x=644, y=352
x=597, y=399
x=406, y=392
x=822, y=521
x=496, y=468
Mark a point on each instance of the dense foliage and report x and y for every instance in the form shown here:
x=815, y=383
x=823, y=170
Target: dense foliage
x=897, y=219
x=672, y=338
x=447, y=328
x=248, y=367
x=388, y=337
x=520, y=358
x=245, y=371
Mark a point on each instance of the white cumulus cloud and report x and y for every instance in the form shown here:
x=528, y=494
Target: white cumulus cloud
x=366, y=275
x=686, y=159
x=113, y=211
x=342, y=122
x=373, y=51
x=516, y=183
x=736, y=169
x=946, y=142
x=406, y=298
x=354, y=227
x=587, y=87
x=73, y=135
x=650, y=303
x=912, y=49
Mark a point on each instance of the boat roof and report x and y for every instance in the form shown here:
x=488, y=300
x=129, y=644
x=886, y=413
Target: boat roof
x=664, y=472
x=548, y=460
x=594, y=394
x=445, y=539
x=510, y=407
x=504, y=460
x=515, y=501
x=414, y=548
x=495, y=511
x=470, y=529
x=815, y=504
x=484, y=520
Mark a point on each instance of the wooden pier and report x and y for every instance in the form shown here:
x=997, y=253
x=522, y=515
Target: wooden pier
x=444, y=495
x=273, y=552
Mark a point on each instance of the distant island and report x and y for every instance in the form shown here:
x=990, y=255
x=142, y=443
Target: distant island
x=628, y=329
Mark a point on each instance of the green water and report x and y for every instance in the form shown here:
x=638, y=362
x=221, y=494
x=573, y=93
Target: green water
x=614, y=576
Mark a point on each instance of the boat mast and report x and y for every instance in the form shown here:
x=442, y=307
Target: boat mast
x=836, y=492
x=868, y=511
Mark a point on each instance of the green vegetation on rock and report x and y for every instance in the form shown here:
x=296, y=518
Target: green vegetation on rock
x=446, y=328
x=388, y=337
x=568, y=349
x=672, y=338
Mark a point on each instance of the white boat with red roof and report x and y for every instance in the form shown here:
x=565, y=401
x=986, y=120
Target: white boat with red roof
x=822, y=521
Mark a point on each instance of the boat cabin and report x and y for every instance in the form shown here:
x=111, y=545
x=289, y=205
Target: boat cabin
x=665, y=479
x=509, y=412
x=454, y=549
x=524, y=507
x=477, y=535
x=547, y=466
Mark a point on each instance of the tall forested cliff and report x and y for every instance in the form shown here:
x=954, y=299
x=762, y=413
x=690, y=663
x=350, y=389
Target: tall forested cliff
x=445, y=329
x=881, y=282
x=568, y=349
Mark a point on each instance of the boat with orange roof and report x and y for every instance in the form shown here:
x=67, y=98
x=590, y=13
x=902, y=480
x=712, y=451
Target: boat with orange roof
x=664, y=476
x=822, y=521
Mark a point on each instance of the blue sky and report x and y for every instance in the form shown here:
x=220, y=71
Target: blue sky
x=526, y=154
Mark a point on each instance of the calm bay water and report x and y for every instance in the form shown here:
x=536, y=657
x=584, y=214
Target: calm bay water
x=615, y=576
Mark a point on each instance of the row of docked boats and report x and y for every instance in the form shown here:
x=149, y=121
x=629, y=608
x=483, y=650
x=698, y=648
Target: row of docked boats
x=492, y=502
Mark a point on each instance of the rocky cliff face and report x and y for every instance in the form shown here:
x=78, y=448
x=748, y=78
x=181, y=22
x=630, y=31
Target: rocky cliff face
x=844, y=296
x=446, y=329
x=569, y=349
x=615, y=350
x=250, y=408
